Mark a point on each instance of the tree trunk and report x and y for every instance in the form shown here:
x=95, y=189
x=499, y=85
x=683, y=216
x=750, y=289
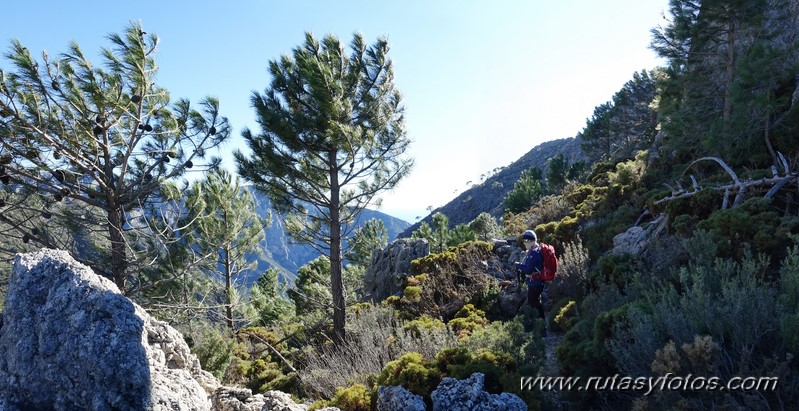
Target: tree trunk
x=228, y=291
x=119, y=262
x=730, y=70
x=769, y=146
x=336, y=280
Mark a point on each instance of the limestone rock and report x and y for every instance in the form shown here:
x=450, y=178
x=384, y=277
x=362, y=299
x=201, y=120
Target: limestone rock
x=389, y=266
x=636, y=239
x=280, y=401
x=70, y=340
x=468, y=395
x=236, y=399
x=396, y=398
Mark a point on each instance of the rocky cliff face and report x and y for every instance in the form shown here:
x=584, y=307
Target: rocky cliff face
x=390, y=265
x=70, y=340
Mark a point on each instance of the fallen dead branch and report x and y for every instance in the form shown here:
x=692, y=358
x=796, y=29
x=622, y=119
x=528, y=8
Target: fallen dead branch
x=775, y=184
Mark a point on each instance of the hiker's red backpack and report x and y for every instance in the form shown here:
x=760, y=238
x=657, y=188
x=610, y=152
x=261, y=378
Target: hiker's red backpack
x=550, y=262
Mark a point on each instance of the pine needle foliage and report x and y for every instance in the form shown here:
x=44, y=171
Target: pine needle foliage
x=97, y=145
x=332, y=137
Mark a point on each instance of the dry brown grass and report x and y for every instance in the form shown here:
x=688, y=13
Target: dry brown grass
x=374, y=337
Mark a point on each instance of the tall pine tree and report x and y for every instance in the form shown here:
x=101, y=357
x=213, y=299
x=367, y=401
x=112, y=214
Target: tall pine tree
x=94, y=147
x=226, y=232
x=332, y=138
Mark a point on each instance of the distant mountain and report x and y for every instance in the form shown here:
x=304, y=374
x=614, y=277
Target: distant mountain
x=488, y=196
x=282, y=253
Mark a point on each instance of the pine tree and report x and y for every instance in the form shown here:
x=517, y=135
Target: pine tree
x=267, y=299
x=311, y=292
x=485, y=226
x=623, y=125
x=727, y=82
x=441, y=234
x=372, y=236
x=525, y=191
x=598, y=135
x=332, y=138
x=226, y=232
x=94, y=146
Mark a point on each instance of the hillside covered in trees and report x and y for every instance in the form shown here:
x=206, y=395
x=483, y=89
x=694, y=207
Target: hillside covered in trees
x=676, y=222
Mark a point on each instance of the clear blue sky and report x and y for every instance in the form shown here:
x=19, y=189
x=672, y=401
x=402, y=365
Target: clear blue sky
x=483, y=81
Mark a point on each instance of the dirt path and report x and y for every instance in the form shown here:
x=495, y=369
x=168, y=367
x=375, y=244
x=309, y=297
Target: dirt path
x=551, y=368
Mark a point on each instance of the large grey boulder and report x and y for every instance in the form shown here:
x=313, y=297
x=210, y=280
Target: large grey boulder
x=70, y=340
x=390, y=265
x=636, y=239
x=468, y=395
x=397, y=398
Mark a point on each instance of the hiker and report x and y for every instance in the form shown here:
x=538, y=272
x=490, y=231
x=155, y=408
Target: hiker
x=533, y=263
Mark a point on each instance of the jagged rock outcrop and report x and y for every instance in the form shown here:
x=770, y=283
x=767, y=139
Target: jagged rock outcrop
x=390, y=265
x=70, y=340
x=512, y=296
x=280, y=401
x=508, y=252
x=396, y=398
x=468, y=395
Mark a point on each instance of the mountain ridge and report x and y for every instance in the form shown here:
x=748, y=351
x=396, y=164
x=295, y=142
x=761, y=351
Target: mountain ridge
x=489, y=195
x=287, y=256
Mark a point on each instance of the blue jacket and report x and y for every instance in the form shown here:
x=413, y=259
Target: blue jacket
x=533, y=263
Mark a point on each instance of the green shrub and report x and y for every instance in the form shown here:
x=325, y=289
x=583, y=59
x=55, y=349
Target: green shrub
x=754, y=222
x=423, y=323
x=566, y=317
x=415, y=280
x=214, y=350
x=429, y=263
x=699, y=205
x=583, y=351
x=256, y=366
x=411, y=293
x=599, y=173
x=616, y=269
x=412, y=372
x=354, y=398
x=357, y=308
x=499, y=368
x=392, y=301
x=467, y=319
x=579, y=194
x=684, y=224
x=527, y=348
x=715, y=312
